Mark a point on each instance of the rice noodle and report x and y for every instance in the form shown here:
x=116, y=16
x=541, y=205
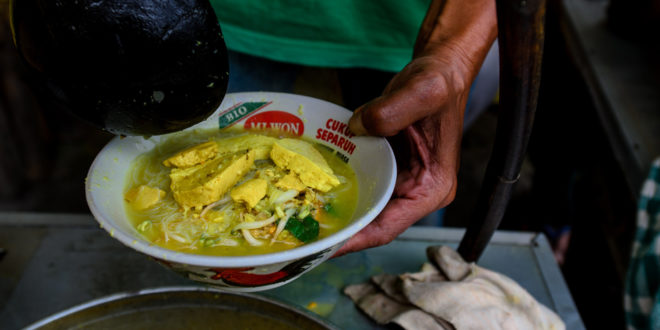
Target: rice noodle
x=255, y=224
x=250, y=239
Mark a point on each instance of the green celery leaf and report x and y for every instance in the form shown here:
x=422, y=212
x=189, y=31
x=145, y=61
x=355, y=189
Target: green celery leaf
x=328, y=208
x=305, y=230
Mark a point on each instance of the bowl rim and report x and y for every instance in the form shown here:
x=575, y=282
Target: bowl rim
x=184, y=258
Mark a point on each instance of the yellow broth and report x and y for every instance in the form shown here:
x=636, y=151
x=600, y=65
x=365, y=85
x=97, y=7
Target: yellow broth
x=148, y=169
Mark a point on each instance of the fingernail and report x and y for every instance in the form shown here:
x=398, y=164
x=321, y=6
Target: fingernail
x=355, y=123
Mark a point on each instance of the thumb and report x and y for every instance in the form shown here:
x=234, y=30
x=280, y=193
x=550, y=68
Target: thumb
x=390, y=113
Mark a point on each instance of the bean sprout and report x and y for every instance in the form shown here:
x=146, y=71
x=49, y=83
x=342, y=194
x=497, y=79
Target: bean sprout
x=280, y=226
x=255, y=224
x=250, y=239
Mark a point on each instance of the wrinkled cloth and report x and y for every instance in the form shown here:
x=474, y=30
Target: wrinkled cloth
x=642, y=292
x=449, y=293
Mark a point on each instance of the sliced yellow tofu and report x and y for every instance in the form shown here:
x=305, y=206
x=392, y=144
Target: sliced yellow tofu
x=143, y=197
x=289, y=182
x=206, y=183
x=301, y=158
x=250, y=192
x=261, y=145
x=193, y=156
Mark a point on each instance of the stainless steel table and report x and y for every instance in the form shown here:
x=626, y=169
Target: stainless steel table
x=56, y=261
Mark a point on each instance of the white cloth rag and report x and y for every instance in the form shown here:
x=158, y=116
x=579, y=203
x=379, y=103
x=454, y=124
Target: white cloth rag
x=451, y=294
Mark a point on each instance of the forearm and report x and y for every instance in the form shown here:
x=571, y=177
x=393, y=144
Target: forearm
x=469, y=27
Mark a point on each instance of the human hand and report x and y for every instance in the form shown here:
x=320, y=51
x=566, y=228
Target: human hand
x=421, y=111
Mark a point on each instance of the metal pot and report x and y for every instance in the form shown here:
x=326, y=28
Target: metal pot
x=182, y=308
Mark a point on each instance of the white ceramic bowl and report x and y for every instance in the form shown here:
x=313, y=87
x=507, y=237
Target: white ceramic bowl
x=371, y=158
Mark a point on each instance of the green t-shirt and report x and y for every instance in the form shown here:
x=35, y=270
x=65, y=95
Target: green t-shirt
x=377, y=34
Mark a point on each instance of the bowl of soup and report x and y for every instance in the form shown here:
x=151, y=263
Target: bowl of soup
x=268, y=187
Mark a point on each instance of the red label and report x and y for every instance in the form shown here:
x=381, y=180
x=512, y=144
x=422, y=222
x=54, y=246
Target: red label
x=238, y=277
x=337, y=133
x=276, y=120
